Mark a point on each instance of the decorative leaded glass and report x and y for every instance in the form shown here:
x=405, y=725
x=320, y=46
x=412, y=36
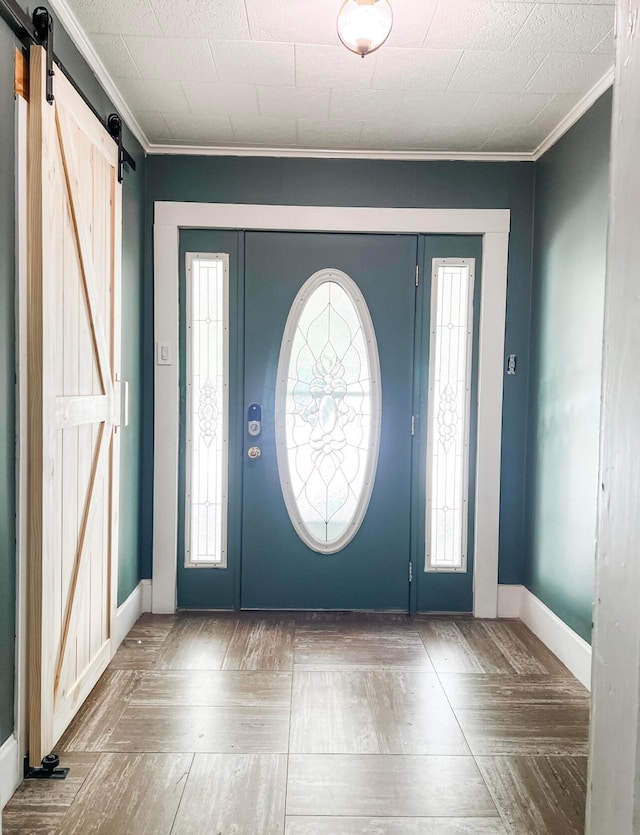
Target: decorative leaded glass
x=328, y=411
x=449, y=400
x=207, y=342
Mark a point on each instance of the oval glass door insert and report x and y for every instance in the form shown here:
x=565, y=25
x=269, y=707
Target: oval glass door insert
x=328, y=411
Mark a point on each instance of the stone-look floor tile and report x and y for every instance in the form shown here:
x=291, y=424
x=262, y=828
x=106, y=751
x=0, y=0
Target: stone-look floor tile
x=218, y=730
x=505, y=691
x=129, y=793
x=554, y=730
x=141, y=648
x=370, y=784
x=325, y=646
x=221, y=685
x=213, y=688
x=538, y=794
x=157, y=627
x=227, y=793
x=261, y=644
x=92, y=726
x=31, y=821
x=526, y=653
x=462, y=646
x=330, y=714
x=350, y=618
x=372, y=712
x=38, y=807
x=394, y=826
x=137, y=654
x=197, y=642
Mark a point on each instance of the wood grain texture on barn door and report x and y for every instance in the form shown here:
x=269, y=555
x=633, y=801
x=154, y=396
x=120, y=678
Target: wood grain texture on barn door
x=74, y=257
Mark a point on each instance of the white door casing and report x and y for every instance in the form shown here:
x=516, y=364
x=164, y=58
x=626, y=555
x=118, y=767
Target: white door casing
x=491, y=224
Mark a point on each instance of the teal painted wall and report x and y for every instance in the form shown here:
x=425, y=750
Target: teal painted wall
x=133, y=216
x=571, y=209
x=368, y=183
x=132, y=276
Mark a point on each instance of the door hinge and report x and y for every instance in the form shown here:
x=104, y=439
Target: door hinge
x=417, y=275
x=411, y=572
x=413, y=424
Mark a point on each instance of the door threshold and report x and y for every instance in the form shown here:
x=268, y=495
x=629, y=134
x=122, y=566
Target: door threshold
x=335, y=611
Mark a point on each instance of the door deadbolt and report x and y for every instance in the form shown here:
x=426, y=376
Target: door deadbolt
x=254, y=452
x=254, y=419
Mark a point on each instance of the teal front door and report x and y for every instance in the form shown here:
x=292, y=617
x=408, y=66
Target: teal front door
x=348, y=424
x=288, y=557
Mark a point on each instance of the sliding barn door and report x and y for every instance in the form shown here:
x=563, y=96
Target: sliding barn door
x=74, y=228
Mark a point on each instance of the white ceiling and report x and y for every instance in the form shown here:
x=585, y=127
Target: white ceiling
x=455, y=75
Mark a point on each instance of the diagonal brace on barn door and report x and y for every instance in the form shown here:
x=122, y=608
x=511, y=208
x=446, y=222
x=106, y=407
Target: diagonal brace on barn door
x=104, y=441
x=72, y=181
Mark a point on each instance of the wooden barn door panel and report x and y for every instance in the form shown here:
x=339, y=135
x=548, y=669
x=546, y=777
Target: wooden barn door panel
x=74, y=363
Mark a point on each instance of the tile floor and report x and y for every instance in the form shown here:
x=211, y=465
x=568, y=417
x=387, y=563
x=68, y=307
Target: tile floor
x=321, y=724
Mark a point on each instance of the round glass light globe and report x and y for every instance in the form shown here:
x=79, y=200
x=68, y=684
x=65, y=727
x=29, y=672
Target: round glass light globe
x=364, y=25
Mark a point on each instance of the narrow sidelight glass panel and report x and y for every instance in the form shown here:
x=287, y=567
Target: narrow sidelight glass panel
x=207, y=409
x=328, y=411
x=449, y=408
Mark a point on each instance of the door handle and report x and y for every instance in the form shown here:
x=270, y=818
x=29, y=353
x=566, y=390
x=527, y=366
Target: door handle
x=121, y=418
x=254, y=452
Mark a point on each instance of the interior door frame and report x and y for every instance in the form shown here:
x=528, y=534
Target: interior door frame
x=491, y=224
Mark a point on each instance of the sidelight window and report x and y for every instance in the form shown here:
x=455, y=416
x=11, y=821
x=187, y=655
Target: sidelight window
x=450, y=362
x=207, y=413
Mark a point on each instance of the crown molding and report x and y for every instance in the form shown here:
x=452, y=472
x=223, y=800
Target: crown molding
x=85, y=48
x=575, y=114
x=322, y=153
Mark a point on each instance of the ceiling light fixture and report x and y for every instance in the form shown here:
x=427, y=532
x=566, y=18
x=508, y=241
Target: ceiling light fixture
x=364, y=25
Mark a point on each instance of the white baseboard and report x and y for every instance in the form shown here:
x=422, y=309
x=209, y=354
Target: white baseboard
x=567, y=645
x=510, y=601
x=139, y=601
x=10, y=769
x=146, y=594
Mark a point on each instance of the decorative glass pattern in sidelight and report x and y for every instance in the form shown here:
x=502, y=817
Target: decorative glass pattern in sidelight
x=449, y=411
x=328, y=404
x=207, y=341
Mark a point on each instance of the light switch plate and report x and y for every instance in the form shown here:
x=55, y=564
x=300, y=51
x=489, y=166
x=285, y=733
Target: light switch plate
x=164, y=354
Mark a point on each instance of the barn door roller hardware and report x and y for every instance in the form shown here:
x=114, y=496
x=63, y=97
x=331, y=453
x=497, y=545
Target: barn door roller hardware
x=38, y=30
x=43, y=27
x=114, y=126
x=49, y=770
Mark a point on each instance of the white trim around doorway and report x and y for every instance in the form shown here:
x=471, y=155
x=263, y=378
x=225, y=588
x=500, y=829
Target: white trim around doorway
x=491, y=224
